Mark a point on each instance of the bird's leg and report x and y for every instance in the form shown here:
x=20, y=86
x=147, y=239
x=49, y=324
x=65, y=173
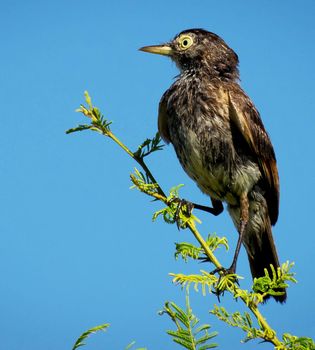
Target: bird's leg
x=217, y=207
x=244, y=216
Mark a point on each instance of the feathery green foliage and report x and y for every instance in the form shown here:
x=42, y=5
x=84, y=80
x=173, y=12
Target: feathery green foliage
x=187, y=250
x=243, y=322
x=295, y=343
x=188, y=334
x=98, y=122
x=80, y=341
x=141, y=181
x=205, y=280
x=130, y=346
x=268, y=285
x=149, y=146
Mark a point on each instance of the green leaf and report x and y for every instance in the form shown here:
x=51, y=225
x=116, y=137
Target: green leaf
x=204, y=339
x=88, y=98
x=202, y=328
x=272, y=285
x=187, y=333
x=130, y=345
x=208, y=346
x=143, y=182
x=205, y=280
x=149, y=146
x=85, y=335
x=214, y=242
x=298, y=343
x=78, y=128
x=187, y=250
x=185, y=344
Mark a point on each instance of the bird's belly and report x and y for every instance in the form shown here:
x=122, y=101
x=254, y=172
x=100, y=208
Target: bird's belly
x=215, y=171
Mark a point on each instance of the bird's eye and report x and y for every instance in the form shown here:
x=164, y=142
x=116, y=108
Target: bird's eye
x=185, y=42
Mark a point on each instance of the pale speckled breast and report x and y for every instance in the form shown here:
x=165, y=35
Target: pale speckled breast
x=204, y=144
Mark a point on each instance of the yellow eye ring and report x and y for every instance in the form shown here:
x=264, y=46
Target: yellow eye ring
x=185, y=41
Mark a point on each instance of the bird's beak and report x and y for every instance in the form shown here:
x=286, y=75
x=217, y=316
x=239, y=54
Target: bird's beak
x=165, y=50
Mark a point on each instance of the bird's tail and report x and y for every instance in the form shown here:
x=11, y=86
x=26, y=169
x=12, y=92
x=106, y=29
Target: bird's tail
x=259, y=243
x=261, y=254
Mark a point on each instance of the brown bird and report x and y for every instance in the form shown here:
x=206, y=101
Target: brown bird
x=221, y=142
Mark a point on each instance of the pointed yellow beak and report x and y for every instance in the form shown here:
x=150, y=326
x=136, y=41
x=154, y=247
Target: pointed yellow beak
x=158, y=49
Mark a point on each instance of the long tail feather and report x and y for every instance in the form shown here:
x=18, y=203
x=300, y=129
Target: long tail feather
x=261, y=253
x=258, y=240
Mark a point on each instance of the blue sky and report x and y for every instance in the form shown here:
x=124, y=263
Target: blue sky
x=78, y=248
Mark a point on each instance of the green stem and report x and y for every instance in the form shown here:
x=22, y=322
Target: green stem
x=270, y=334
x=204, y=245
x=140, y=161
x=192, y=338
x=119, y=143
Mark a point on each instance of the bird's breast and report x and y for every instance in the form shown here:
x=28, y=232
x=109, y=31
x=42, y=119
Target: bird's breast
x=200, y=132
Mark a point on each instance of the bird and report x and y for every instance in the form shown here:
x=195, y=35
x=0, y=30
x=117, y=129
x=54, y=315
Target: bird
x=221, y=142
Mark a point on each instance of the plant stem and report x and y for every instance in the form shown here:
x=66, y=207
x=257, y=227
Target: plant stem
x=269, y=332
x=204, y=245
x=140, y=161
x=189, y=312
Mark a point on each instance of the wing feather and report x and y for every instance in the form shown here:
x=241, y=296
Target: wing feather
x=162, y=122
x=245, y=116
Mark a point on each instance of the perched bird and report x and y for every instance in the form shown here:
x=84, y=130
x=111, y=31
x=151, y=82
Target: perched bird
x=221, y=142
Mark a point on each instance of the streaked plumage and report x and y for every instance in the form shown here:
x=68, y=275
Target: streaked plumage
x=220, y=140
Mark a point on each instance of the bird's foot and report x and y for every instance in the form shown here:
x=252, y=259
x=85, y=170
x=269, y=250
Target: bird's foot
x=222, y=271
x=227, y=277
x=183, y=206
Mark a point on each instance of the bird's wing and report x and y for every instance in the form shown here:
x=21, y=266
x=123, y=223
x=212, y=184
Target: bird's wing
x=245, y=116
x=162, y=121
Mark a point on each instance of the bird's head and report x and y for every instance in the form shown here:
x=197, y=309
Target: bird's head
x=198, y=49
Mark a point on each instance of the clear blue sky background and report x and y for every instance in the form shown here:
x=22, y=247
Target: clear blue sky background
x=78, y=248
